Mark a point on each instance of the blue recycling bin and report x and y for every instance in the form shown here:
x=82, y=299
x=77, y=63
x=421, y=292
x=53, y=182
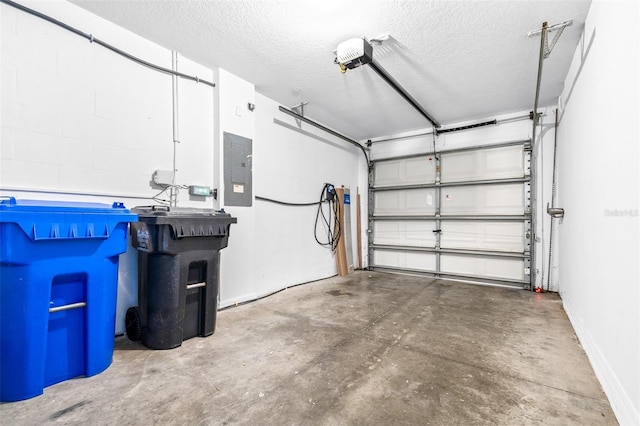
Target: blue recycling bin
x=58, y=287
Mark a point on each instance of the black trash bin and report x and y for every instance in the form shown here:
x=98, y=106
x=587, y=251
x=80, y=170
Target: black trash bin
x=178, y=273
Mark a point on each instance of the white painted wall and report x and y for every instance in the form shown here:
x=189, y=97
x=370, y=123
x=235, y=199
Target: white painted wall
x=273, y=246
x=238, y=262
x=598, y=186
x=81, y=123
x=292, y=164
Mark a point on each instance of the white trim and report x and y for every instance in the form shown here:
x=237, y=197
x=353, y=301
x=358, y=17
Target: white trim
x=620, y=401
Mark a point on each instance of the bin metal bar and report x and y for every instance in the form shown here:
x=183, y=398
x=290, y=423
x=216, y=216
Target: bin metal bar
x=498, y=218
x=526, y=143
x=196, y=285
x=450, y=184
x=67, y=307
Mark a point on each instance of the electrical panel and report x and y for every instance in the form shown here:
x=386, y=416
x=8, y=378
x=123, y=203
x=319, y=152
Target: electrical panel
x=238, y=190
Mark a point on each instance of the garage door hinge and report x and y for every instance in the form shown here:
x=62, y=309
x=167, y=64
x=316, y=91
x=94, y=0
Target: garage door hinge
x=437, y=231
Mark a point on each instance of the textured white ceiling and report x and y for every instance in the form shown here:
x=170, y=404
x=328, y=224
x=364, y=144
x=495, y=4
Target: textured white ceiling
x=461, y=60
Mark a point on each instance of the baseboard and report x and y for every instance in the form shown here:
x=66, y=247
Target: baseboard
x=621, y=403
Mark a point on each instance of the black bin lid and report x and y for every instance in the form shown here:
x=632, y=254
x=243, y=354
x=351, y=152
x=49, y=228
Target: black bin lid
x=160, y=211
x=185, y=221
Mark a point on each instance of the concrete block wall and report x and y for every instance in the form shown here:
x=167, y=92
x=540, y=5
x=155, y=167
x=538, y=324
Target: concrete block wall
x=80, y=123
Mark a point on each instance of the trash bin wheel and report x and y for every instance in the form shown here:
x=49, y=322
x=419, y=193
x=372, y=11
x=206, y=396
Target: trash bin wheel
x=133, y=325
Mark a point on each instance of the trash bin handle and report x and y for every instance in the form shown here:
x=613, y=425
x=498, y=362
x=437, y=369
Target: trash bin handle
x=67, y=307
x=159, y=207
x=12, y=200
x=196, y=285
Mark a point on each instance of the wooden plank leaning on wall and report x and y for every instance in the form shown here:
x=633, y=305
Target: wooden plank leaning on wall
x=341, y=249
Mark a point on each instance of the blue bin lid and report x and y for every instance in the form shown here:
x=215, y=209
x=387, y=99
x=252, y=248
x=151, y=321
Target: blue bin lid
x=63, y=219
x=9, y=204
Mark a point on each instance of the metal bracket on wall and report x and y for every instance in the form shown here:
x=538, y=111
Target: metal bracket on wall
x=555, y=212
x=557, y=27
x=299, y=109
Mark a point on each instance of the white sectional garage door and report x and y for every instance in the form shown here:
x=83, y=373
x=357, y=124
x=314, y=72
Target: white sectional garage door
x=460, y=214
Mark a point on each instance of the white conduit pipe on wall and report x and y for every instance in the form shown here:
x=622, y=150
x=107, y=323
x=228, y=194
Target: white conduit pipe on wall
x=173, y=192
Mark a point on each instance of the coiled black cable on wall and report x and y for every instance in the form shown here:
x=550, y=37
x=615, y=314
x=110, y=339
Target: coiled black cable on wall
x=104, y=44
x=332, y=223
x=330, y=219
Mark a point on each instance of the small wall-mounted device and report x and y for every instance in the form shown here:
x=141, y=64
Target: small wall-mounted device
x=203, y=191
x=162, y=177
x=353, y=53
x=330, y=192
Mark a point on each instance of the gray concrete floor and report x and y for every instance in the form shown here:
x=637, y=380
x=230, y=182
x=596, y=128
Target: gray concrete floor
x=370, y=349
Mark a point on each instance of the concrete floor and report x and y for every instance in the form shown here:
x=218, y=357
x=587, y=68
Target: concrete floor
x=371, y=348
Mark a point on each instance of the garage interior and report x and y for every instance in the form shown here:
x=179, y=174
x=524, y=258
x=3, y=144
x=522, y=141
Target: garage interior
x=482, y=267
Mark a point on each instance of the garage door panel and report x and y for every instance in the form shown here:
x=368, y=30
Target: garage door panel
x=476, y=212
x=402, y=233
x=405, y=172
x=477, y=235
x=507, y=269
x=405, y=260
x=405, y=202
x=484, y=199
x=496, y=163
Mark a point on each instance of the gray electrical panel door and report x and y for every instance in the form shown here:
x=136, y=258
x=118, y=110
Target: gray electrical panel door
x=237, y=171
